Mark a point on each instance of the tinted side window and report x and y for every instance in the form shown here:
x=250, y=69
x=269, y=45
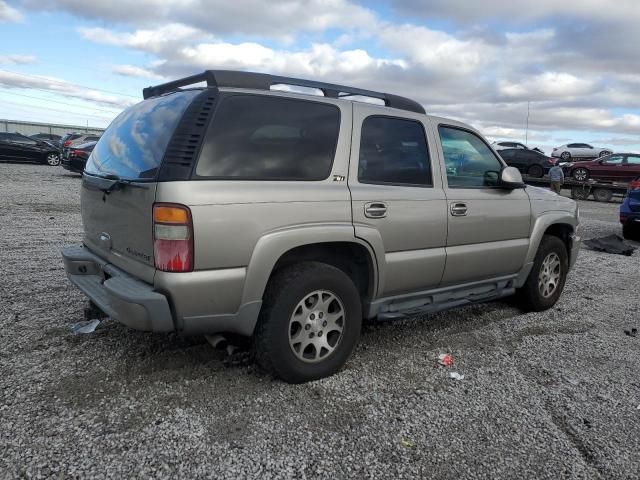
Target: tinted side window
x=468, y=159
x=633, y=160
x=614, y=160
x=573, y=145
x=393, y=151
x=257, y=137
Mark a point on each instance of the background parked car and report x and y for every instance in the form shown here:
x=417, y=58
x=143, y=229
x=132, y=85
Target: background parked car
x=18, y=147
x=504, y=145
x=79, y=140
x=50, y=137
x=78, y=156
x=67, y=139
x=630, y=211
x=579, y=150
x=619, y=167
x=530, y=162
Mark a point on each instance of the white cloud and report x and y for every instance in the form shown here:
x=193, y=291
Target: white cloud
x=16, y=59
x=61, y=87
x=8, y=13
x=135, y=71
x=279, y=19
x=547, y=86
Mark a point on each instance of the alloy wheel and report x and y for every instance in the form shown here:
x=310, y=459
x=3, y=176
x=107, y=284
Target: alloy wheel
x=549, y=276
x=53, y=159
x=316, y=326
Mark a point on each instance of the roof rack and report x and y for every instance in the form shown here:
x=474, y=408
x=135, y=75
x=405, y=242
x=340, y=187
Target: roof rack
x=263, y=81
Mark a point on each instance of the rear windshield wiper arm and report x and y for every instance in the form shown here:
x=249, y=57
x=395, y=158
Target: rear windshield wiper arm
x=113, y=183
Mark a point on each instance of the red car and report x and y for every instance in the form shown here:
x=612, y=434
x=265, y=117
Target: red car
x=618, y=167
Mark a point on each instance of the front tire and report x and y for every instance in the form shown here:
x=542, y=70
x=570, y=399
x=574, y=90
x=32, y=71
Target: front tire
x=548, y=275
x=580, y=174
x=630, y=231
x=309, y=323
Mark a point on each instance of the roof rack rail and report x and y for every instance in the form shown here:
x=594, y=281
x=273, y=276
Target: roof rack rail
x=263, y=81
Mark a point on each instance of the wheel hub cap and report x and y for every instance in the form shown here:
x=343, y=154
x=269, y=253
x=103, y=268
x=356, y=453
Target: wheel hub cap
x=549, y=277
x=316, y=326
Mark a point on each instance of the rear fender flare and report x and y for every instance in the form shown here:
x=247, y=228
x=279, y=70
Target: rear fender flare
x=273, y=245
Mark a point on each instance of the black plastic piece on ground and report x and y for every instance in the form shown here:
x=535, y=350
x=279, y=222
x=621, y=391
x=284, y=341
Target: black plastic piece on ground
x=92, y=312
x=263, y=81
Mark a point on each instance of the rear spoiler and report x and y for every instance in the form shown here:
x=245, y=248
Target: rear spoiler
x=263, y=81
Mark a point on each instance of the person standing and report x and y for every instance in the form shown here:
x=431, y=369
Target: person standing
x=557, y=178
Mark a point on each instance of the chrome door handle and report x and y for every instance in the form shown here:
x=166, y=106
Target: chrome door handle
x=458, y=209
x=375, y=210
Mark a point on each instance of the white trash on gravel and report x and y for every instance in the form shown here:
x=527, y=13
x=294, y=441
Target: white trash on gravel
x=85, y=327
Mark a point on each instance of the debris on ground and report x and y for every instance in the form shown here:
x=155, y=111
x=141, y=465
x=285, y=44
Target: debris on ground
x=445, y=359
x=611, y=244
x=456, y=376
x=631, y=333
x=406, y=443
x=85, y=327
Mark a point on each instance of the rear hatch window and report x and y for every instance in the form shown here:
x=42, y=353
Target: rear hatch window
x=133, y=146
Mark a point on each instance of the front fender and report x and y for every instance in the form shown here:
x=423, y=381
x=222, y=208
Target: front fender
x=540, y=226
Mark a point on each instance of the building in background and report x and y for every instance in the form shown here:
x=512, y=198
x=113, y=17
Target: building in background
x=31, y=128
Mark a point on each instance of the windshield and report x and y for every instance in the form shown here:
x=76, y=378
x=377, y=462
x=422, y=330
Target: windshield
x=134, y=144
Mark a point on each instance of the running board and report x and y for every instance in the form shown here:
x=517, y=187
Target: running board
x=441, y=299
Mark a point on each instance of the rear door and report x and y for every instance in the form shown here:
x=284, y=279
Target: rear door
x=397, y=196
x=488, y=233
x=118, y=222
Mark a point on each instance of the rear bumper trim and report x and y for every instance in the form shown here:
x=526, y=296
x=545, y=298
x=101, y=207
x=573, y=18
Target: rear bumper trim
x=118, y=294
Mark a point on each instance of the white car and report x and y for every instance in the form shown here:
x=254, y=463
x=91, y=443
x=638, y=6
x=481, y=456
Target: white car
x=579, y=150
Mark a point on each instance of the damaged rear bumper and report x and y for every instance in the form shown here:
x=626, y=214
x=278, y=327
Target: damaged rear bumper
x=118, y=294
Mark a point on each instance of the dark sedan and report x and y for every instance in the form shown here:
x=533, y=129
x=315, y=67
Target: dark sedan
x=77, y=157
x=529, y=162
x=20, y=148
x=617, y=167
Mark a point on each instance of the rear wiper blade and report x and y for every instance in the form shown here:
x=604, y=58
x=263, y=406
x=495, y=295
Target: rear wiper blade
x=118, y=183
x=109, y=183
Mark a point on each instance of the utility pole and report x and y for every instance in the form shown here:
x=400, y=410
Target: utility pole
x=526, y=131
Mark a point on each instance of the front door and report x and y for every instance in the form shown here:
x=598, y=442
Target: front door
x=488, y=234
x=397, y=198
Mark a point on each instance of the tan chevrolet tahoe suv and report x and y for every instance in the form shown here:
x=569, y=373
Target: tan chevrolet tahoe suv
x=289, y=217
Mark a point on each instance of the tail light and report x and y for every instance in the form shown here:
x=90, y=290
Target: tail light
x=172, y=237
x=73, y=153
x=552, y=161
x=634, y=185
x=67, y=143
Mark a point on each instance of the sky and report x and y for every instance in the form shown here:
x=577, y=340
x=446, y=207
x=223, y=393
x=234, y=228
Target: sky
x=574, y=64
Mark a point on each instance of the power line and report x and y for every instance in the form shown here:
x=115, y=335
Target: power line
x=56, y=101
x=79, y=114
x=72, y=84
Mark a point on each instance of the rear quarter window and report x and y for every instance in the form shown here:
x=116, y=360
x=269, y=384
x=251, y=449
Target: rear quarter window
x=134, y=144
x=254, y=137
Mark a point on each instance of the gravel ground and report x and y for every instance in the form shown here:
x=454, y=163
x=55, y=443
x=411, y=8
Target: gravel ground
x=545, y=395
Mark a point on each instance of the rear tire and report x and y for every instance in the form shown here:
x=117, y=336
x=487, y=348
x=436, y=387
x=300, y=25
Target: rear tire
x=566, y=156
x=548, y=275
x=293, y=340
x=602, y=194
x=604, y=154
x=52, y=159
x=536, y=171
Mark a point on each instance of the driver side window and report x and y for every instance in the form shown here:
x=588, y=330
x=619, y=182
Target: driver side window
x=470, y=163
x=614, y=160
